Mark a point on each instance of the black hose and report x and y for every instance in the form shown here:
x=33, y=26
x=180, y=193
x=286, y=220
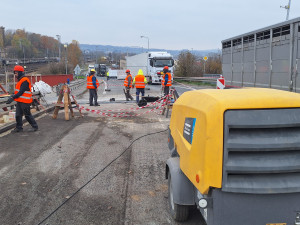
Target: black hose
x=54, y=211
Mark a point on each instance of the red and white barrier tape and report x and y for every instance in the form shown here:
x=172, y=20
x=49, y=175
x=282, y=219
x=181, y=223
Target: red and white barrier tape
x=163, y=99
x=122, y=114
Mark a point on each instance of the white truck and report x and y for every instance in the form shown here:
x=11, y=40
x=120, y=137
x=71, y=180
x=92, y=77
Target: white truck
x=152, y=64
x=91, y=66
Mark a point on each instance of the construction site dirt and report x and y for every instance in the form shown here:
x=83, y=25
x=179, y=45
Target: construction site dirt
x=86, y=171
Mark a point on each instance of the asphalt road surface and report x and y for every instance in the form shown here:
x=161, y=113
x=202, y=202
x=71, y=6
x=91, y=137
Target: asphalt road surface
x=91, y=170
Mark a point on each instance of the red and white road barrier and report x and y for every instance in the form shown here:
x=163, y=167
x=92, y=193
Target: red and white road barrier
x=221, y=82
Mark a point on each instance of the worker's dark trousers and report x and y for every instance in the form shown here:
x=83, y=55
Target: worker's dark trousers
x=93, y=95
x=24, y=109
x=138, y=91
x=166, y=90
x=127, y=94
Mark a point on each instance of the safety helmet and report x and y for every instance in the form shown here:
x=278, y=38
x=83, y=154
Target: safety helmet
x=166, y=68
x=93, y=70
x=127, y=71
x=19, y=68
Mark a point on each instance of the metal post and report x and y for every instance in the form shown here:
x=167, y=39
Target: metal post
x=148, y=44
x=291, y=55
x=270, y=58
x=287, y=7
x=254, y=72
x=231, y=57
x=296, y=74
x=14, y=82
x=288, y=10
x=6, y=80
x=148, y=41
x=242, y=59
x=66, y=58
x=59, y=53
x=24, y=55
x=271, y=62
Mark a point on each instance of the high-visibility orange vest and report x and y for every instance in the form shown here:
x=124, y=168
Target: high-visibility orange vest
x=126, y=81
x=169, y=79
x=89, y=84
x=140, y=81
x=26, y=97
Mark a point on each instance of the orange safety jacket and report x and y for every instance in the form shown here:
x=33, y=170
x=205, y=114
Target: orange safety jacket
x=140, y=81
x=169, y=79
x=26, y=97
x=89, y=84
x=126, y=81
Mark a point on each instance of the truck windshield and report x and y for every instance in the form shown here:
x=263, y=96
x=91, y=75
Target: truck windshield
x=162, y=62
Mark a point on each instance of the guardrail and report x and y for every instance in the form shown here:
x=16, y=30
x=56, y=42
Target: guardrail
x=3, y=105
x=203, y=79
x=73, y=85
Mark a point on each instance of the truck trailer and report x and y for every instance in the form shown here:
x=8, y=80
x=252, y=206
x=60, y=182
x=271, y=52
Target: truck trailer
x=266, y=57
x=152, y=64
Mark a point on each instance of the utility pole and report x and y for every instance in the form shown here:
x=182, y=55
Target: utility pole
x=66, y=57
x=59, y=54
x=23, y=55
x=2, y=40
x=22, y=48
x=3, y=60
x=287, y=7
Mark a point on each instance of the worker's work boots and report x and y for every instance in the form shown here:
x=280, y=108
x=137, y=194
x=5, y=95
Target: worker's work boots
x=33, y=129
x=17, y=130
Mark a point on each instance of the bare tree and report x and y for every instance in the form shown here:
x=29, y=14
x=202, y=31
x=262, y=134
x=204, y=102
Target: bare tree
x=188, y=65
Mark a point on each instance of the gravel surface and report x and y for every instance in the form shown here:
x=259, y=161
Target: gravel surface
x=55, y=173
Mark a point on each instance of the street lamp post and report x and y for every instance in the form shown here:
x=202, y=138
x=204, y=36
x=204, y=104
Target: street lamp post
x=205, y=59
x=66, y=58
x=148, y=41
x=59, y=54
x=23, y=55
x=287, y=7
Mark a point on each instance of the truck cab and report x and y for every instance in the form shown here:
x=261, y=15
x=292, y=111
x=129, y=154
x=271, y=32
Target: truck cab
x=91, y=66
x=157, y=61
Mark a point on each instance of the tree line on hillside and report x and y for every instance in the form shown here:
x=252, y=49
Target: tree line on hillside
x=20, y=44
x=189, y=65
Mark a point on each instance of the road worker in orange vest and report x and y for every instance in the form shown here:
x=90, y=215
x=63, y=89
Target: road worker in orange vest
x=23, y=97
x=128, y=84
x=93, y=84
x=139, y=82
x=166, y=80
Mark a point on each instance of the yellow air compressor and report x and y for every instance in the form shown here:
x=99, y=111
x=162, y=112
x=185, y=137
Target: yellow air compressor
x=235, y=154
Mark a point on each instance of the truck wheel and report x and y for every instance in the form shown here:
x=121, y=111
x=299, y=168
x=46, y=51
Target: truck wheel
x=178, y=212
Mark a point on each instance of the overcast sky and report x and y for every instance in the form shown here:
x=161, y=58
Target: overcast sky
x=169, y=24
